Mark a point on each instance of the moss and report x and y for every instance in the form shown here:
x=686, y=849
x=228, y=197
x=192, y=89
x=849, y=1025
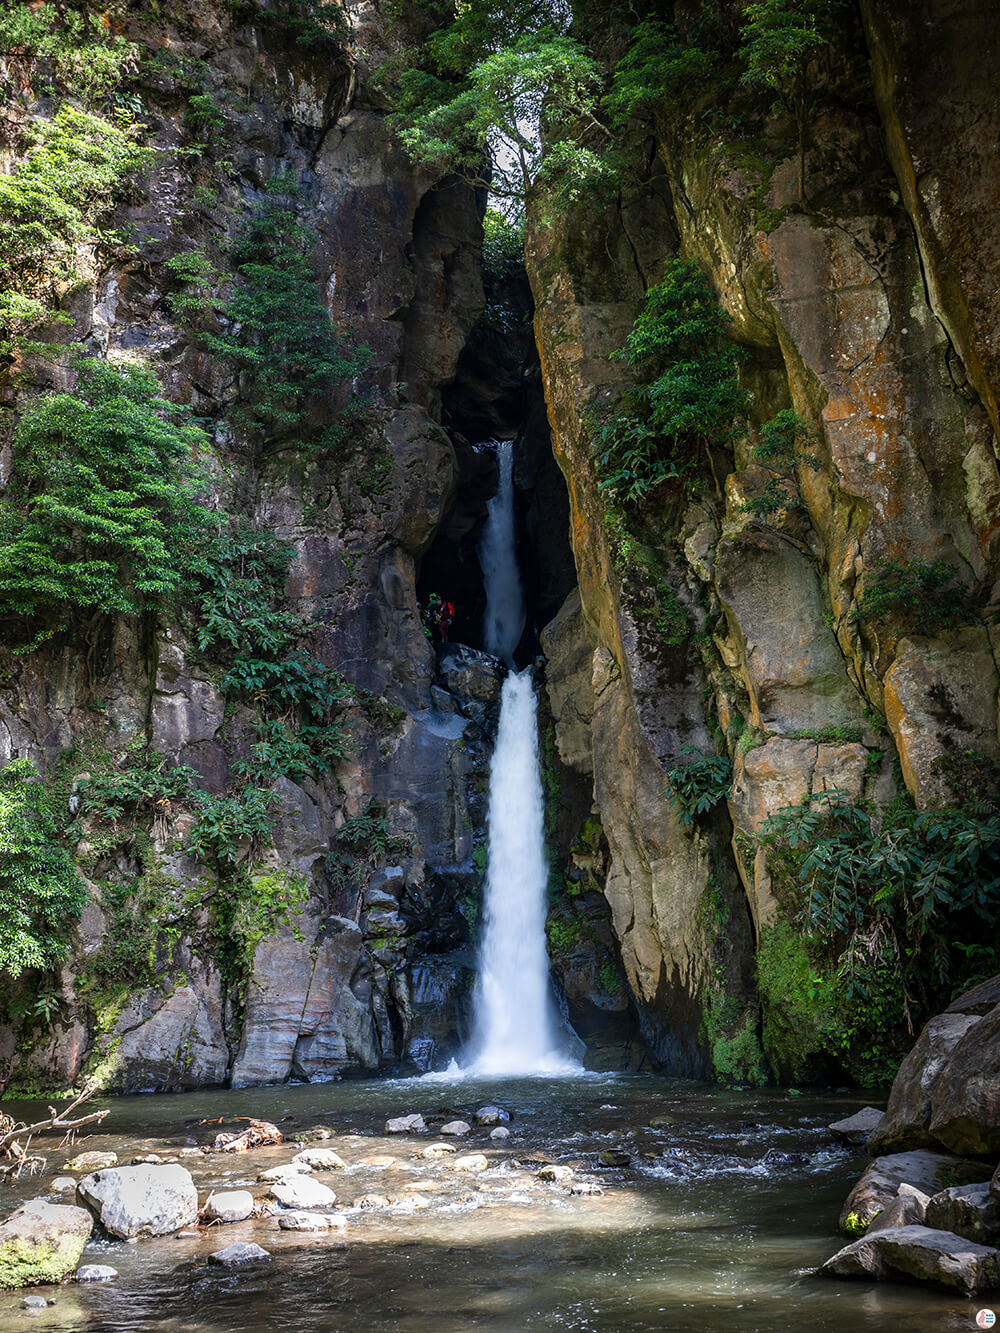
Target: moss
x=25, y=1264
x=799, y=1003
x=856, y=1224
x=738, y=1058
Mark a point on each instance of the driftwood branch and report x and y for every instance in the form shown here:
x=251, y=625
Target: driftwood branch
x=11, y=1133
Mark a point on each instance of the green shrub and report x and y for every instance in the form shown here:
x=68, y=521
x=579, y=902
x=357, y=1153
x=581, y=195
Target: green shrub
x=41, y=894
x=279, y=334
x=101, y=509
x=924, y=594
x=363, y=841
x=657, y=72
x=77, y=164
x=698, y=783
x=785, y=441
x=688, y=397
x=232, y=829
x=81, y=54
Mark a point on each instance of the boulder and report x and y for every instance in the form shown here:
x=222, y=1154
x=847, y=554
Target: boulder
x=34, y=1303
x=965, y=1104
x=880, y=1182
x=96, y=1273
x=556, y=1172
x=42, y=1242
x=320, y=1159
x=140, y=1200
x=470, y=1164
x=585, y=1188
x=456, y=1128
x=406, y=1124
x=239, y=1253
x=613, y=1157
x=979, y=1000
x=500, y=1133
x=302, y=1192
x=907, y=1209
x=967, y=1210
x=92, y=1161
x=229, y=1206
x=287, y=1171
x=62, y=1184
x=299, y=1221
x=471, y=673
x=920, y=1254
x=436, y=1150
x=906, y=1123
x=855, y=1129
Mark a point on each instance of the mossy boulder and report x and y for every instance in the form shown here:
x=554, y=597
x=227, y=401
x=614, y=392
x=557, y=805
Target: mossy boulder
x=42, y=1242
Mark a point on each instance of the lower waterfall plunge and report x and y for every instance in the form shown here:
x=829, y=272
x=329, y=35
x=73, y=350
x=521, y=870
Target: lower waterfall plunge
x=518, y=1030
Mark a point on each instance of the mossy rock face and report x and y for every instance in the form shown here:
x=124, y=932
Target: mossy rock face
x=42, y=1242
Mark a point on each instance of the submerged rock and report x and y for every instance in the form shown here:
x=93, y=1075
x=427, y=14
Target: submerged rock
x=299, y=1221
x=238, y=1254
x=96, y=1273
x=921, y=1254
x=229, y=1206
x=42, y=1242
x=92, y=1161
x=34, y=1303
x=140, y=1200
x=287, y=1171
x=491, y=1115
x=437, y=1150
x=500, y=1133
x=555, y=1172
x=613, y=1157
x=471, y=1163
x=62, y=1184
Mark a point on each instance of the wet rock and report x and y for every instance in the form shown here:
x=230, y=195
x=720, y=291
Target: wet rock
x=491, y=1115
x=287, y=1171
x=613, y=1157
x=140, y=1200
x=555, y=1172
x=298, y=1221
x=316, y=1133
x=147, y=1159
x=456, y=1128
x=380, y=1160
x=437, y=1150
x=855, y=1129
x=922, y=1254
x=965, y=1106
x=62, y=1184
x=907, y=1209
x=406, y=1124
x=372, y=1201
x=229, y=1206
x=880, y=1182
x=967, y=1210
x=302, y=1192
x=42, y=1242
x=238, y=1254
x=500, y=1133
x=34, y=1303
x=92, y=1161
x=665, y=1121
x=320, y=1159
x=96, y=1273
x=471, y=673
x=585, y=1188
x=906, y=1123
x=470, y=1164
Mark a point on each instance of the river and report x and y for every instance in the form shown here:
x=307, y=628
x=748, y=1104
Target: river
x=712, y=1226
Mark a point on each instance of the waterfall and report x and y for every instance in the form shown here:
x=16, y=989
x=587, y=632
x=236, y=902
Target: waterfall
x=517, y=1028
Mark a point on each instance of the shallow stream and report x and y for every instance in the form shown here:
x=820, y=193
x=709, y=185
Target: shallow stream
x=712, y=1226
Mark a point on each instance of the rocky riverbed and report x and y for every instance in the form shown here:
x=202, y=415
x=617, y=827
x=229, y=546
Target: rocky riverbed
x=612, y=1203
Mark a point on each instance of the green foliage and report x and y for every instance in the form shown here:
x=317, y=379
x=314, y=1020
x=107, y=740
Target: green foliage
x=279, y=334
x=610, y=977
x=698, y=784
x=657, y=72
x=318, y=26
x=204, y=117
x=888, y=903
x=688, y=396
x=652, y=599
x=363, y=841
x=503, y=244
x=71, y=49
x=76, y=165
x=923, y=594
x=799, y=1002
x=781, y=39
x=473, y=97
x=199, y=275
x=786, y=441
x=249, y=907
x=233, y=828
x=143, y=785
x=101, y=511
x=41, y=895
x=563, y=934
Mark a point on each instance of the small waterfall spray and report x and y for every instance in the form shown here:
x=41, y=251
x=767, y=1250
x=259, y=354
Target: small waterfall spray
x=517, y=1028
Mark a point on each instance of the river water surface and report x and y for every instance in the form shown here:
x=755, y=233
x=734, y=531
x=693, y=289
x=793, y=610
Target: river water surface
x=712, y=1226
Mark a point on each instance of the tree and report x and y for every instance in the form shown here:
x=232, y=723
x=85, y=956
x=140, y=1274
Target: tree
x=781, y=38
x=503, y=98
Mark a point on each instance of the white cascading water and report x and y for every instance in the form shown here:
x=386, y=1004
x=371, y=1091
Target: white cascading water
x=517, y=1028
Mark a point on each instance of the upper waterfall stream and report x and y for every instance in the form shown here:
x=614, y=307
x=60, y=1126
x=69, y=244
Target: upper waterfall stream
x=518, y=1030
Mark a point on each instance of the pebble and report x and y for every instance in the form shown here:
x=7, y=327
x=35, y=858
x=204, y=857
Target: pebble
x=63, y=1183
x=96, y=1273
x=147, y=1159
x=240, y=1252
x=500, y=1133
